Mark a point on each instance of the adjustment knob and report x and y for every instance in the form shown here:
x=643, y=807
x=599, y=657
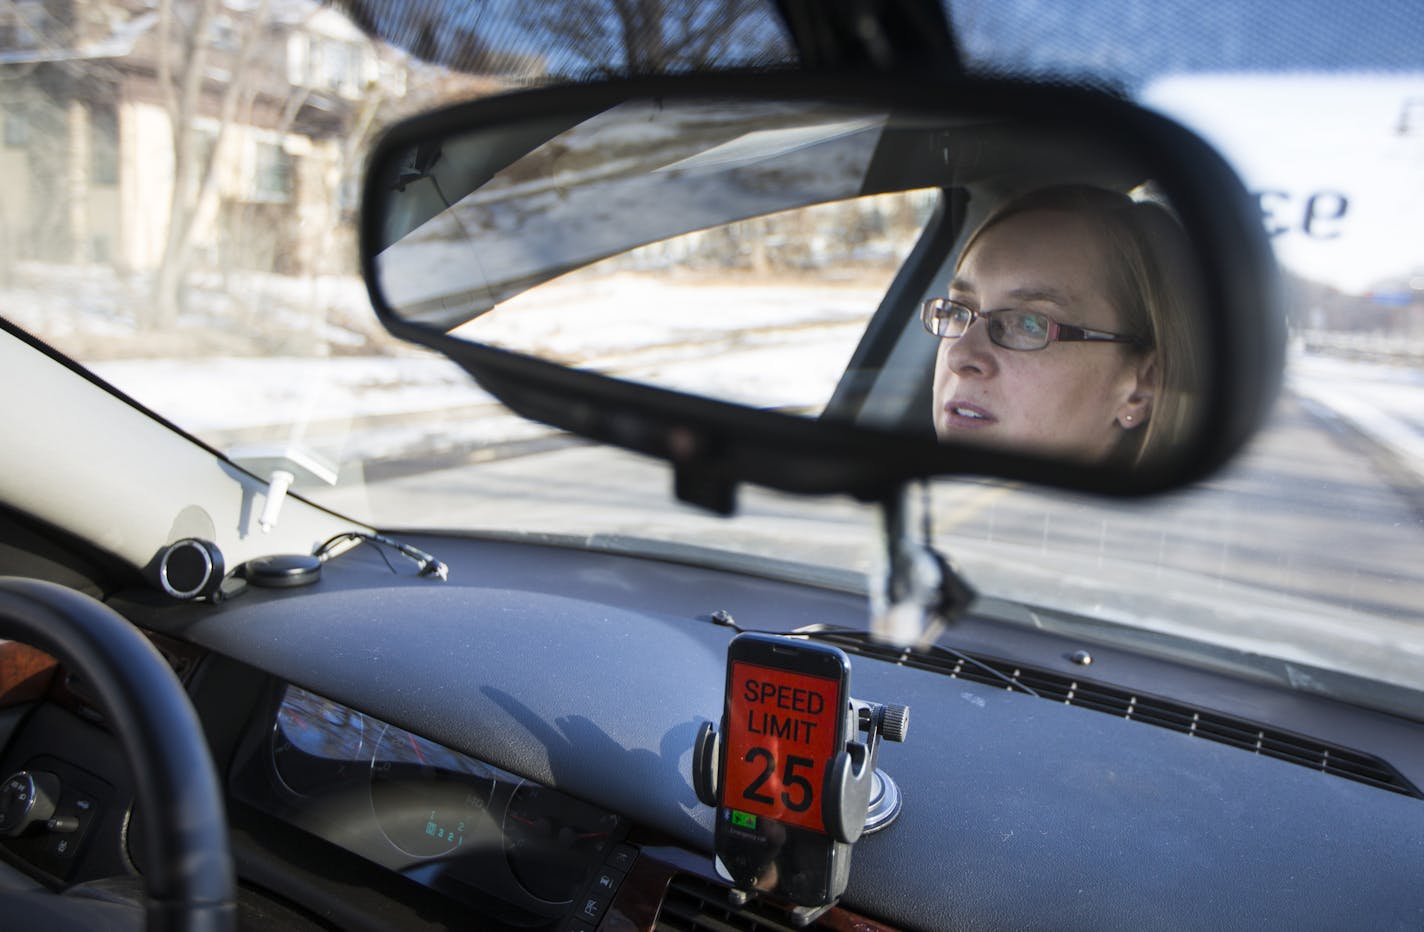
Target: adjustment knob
x=27, y=797
x=894, y=722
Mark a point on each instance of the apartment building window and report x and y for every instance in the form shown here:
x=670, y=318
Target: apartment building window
x=272, y=176
x=331, y=65
x=103, y=144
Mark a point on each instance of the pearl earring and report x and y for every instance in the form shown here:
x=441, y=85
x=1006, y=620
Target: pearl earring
x=1127, y=418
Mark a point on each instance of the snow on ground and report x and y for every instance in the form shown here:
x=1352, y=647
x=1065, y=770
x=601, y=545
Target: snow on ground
x=251, y=364
x=344, y=410
x=776, y=344
x=691, y=337
x=587, y=317
x=91, y=313
x=227, y=394
x=1384, y=402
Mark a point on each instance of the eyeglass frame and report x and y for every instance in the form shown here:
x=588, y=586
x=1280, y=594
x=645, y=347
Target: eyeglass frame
x=1057, y=332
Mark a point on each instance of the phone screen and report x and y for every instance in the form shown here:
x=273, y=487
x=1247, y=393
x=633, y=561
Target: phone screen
x=785, y=723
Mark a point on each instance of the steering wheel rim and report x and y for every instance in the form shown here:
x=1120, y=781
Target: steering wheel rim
x=190, y=883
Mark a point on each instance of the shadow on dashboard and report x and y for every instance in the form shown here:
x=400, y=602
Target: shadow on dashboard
x=578, y=738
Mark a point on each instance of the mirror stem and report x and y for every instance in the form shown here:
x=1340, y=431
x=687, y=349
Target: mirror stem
x=919, y=591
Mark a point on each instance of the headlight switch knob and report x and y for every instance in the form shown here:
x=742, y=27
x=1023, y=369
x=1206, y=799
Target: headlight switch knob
x=27, y=797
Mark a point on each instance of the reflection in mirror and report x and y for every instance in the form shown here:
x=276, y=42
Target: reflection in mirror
x=763, y=312
x=981, y=281
x=1066, y=329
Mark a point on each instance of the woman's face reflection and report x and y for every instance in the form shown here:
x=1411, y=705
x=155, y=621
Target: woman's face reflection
x=1068, y=399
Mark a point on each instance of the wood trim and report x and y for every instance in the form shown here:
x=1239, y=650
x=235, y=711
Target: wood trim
x=25, y=673
x=635, y=907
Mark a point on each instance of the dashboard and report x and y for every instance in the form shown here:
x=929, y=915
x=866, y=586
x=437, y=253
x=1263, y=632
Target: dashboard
x=512, y=749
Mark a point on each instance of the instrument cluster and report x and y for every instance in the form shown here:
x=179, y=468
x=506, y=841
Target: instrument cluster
x=442, y=818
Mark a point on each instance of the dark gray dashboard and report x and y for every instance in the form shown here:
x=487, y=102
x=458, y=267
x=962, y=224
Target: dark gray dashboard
x=590, y=673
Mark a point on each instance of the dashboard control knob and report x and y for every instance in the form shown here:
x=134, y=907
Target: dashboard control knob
x=27, y=797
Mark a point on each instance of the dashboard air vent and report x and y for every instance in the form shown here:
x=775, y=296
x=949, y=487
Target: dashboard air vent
x=695, y=905
x=1152, y=710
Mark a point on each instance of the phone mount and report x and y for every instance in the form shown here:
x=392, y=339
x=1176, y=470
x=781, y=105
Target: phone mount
x=850, y=783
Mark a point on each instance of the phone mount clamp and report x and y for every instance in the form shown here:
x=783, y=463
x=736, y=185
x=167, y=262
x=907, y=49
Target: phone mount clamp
x=850, y=782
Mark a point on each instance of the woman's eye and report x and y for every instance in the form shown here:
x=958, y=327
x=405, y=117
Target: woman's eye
x=1035, y=325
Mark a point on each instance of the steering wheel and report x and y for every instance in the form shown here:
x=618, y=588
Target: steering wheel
x=190, y=883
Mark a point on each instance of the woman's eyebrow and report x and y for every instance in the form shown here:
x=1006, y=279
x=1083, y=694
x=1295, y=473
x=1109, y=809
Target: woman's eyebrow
x=1052, y=295
x=1029, y=293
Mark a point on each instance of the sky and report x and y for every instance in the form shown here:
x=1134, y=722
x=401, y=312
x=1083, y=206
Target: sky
x=1353, y=142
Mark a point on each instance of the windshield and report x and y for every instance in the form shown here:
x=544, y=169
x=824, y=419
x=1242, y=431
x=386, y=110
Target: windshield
x=182, y=222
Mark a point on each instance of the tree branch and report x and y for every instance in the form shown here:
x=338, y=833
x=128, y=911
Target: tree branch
x=165, y=59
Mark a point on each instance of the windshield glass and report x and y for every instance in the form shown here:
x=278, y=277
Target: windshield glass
x=182, y=222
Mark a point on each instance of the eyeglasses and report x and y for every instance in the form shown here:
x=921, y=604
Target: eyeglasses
x=1011, y=328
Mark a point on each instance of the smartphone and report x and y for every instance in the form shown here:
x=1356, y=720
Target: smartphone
x=784, y=721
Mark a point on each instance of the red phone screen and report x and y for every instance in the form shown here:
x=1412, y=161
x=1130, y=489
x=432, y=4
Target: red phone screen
x=781, y=737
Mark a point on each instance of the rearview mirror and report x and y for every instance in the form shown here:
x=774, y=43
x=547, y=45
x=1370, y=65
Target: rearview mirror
x=822, y=286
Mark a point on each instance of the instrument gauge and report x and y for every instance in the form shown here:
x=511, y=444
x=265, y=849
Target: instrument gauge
x=553, y=842
x=316, y=743
x=426, y=798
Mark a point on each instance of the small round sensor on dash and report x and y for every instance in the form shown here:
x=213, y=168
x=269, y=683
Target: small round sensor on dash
x=190, y=569
x=283, y=571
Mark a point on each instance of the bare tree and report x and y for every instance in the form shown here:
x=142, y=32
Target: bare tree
x=632, y=37
x=256, y=89
x=460, y=51
x=183, y=80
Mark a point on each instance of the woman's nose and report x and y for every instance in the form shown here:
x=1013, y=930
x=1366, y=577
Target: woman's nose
x=972, y=354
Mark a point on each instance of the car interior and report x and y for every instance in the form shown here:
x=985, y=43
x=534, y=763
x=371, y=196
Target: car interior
x=217, y=715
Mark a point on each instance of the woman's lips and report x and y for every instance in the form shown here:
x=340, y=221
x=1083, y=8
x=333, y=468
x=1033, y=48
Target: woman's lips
x=967, y=416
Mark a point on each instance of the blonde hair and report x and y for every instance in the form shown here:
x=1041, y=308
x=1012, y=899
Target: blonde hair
x=1152, y=286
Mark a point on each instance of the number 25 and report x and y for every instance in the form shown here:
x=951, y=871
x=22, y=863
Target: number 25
x=790, y=779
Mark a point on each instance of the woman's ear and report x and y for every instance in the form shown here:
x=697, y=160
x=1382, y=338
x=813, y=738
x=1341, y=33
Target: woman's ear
x=1135, y=411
